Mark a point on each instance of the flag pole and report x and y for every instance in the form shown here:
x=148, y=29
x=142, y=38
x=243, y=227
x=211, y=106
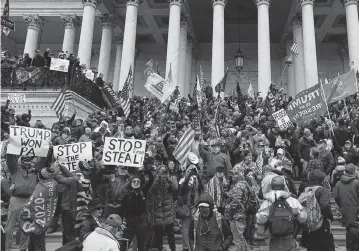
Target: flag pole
x=326, y=104
x=346, y=108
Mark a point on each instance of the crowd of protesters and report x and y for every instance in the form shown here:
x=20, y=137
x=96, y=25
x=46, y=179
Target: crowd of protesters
x=234, y=188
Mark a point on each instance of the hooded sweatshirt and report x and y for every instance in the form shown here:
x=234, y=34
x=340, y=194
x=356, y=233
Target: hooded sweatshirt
x=346, y=195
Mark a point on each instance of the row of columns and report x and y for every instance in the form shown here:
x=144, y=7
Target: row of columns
x=179, y=56
x=304, y=71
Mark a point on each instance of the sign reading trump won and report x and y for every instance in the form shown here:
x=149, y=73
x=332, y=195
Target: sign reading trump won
x=29, y=141
x=70, y=155
x=126, y=152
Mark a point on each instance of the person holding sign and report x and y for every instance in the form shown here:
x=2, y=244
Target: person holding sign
x=23, y=175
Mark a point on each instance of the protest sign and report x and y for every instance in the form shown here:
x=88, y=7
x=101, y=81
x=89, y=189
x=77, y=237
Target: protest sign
x=17, y=98
x=306, y=105
x=127, y=152
x=38, y=212
x=58, y=64
x=71, y=154
x=159, y=87
x=29, y=141
x=282, y=119
x=341, y=87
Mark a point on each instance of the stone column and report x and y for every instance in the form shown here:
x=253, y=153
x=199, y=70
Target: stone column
x=290, y=68
x=34, y=24
x=298, y=61
x=310, y=51
x=264, y=63
x=218, y=41
x=189, y=59
x=71, y=23
x=182, y=84
x=107, y=24
x=86, y=36
x=116, y=75
x=173, y=40
x=351, y=10
x=129, y=40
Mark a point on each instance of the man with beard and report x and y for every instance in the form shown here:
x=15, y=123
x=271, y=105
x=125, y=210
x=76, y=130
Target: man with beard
x=129, y=132
x=134, y=213
x=209, y=230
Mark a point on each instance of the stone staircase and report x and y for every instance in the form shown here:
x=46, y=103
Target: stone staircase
x=337, y=229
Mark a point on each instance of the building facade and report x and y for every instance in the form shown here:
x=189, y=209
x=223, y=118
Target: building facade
x=115, y=36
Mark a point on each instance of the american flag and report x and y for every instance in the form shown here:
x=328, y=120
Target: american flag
x=184, y=146
x=294, y=49
x=124, y=96
x=217, y=121
x=59, y=104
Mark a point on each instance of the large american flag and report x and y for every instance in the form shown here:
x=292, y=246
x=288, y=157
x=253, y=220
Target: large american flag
x=184, y=146
x=59, y=104
x=124, y=96
x=294, y=49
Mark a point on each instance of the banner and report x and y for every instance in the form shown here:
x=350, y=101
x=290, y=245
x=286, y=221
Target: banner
x=282, y=119
x=306, y=105
x=71, y=154
x=17, y=98
x=37, y=213
x=126, y=152
x=159, y=87
x=29, y=141
x=58, y=64
x=35, y=74
x=341, y=87
x=110, y=97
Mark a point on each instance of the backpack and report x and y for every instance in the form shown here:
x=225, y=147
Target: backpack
x=312, y=208
x=281, y=219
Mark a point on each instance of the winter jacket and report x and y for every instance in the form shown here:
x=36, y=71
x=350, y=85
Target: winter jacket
x=212, y=161
x=304, y=148
x=116, y=189
x=341, y=135
x=328, y=161
x=160, y=203
x=346, y=195
x=100, y=240
x=23, y=182
x=323, y=197
x=236, y=201
x=218, y=237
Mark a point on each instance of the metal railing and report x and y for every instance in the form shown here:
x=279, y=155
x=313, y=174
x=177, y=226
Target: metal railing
x=32, y=78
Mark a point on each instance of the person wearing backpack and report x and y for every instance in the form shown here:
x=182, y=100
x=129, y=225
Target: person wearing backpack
x=317, y=236
x=278, y=214
x=346, y=195
x=209, y=230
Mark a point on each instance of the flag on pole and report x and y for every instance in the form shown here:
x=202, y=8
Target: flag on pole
x=294, y=49
x=239, y=91
x=326, y=81
x=221, y=86
x=184, y=146
x=250, y=90
x=217, y=121
x=197, y=93
x=341, y=87
x=158, y=68
x=59, y=104
x=149, y=64
x=124, y=96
